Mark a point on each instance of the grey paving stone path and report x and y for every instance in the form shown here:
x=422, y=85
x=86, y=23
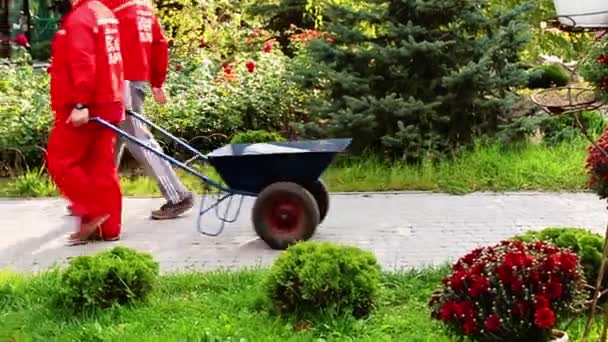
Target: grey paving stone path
x=403, y=230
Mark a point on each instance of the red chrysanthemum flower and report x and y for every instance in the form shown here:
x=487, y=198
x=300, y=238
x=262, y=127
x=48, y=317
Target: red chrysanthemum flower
x=464, y=309
x=548, y=265
x=539, y=246
x=448, y=310
x=517, y=285
x=479, y=286
x=458, y=266
x=493, y=323
x=541, y=301
x=469, y=327
x=544, y=318
x=535, y=277
x=457, y=280
x=520, y=309
x=568, y=262
x=478, y=268
x=554, y=289
x=515, y=259
x=470, y=258
x=505, y=273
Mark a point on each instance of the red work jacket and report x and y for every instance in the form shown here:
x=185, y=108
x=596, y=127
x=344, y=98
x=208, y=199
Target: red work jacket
x=87, y=64
x=143, y=43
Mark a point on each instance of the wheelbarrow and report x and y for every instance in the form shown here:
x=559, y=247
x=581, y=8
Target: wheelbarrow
x=284, y=176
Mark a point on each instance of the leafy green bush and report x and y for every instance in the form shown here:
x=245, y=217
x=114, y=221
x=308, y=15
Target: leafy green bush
x=115, y=277
x=321, y=276
x=25, y=119
x=259, y=136
x=546, y=76
x=555, y=129
x=586, y=244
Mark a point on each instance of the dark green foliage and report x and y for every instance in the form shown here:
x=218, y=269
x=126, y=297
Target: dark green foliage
x=411, y=76
x=41, y=51
x=283, y=16
x=321, y=276
x=555, y=129
x=565, y=128
x=115, y=277
x=594, y=68
x=586, y=244
x=546, y=76
x=257, y=136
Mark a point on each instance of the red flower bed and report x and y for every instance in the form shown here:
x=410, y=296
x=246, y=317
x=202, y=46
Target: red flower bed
x=510, y=291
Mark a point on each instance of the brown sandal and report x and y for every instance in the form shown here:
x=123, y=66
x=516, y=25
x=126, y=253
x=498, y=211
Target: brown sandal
x=87, y=230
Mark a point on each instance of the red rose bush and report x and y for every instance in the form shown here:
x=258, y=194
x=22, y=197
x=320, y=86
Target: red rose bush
x=514, y=291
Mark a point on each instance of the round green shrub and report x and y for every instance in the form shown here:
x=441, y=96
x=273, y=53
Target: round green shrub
x=546, y=76
x=312, y=277
x=586, y=244
x=257, y=136
x=114, y=277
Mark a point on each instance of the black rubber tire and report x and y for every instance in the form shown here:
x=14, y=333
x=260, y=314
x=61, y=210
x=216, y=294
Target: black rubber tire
x=265, y=209
x=321, y=195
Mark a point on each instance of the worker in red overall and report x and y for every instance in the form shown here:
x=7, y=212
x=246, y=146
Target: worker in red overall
x=87, y=81
x=145, y=59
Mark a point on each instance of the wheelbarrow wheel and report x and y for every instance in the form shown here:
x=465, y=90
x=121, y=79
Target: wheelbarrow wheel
x=285, y=213
x=321, y=195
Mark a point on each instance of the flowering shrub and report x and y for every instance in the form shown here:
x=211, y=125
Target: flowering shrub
x=213, y=99
x=597, y=167
x=513, y=291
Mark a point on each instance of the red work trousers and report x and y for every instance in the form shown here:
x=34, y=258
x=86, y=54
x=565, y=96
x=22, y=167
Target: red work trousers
x=81, y=163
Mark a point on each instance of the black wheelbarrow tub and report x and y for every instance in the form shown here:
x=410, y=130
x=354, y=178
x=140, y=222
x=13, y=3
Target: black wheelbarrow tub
x=249, y=168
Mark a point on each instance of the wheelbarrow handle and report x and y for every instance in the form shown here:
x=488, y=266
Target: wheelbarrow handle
x=161, y=155
x=166, y=133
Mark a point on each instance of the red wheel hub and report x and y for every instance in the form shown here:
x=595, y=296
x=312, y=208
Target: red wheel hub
x=284, y=215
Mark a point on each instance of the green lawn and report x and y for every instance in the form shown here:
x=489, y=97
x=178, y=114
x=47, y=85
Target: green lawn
x=487, y=168
x=220, y=307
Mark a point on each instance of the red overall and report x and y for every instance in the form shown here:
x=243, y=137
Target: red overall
x=144, y=45
x=87, y=68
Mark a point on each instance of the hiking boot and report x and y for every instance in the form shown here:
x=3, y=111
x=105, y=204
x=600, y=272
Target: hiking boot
x=170, y=211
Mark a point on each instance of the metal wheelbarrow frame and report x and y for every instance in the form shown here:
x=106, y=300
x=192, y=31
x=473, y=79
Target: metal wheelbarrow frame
x=291, y=199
